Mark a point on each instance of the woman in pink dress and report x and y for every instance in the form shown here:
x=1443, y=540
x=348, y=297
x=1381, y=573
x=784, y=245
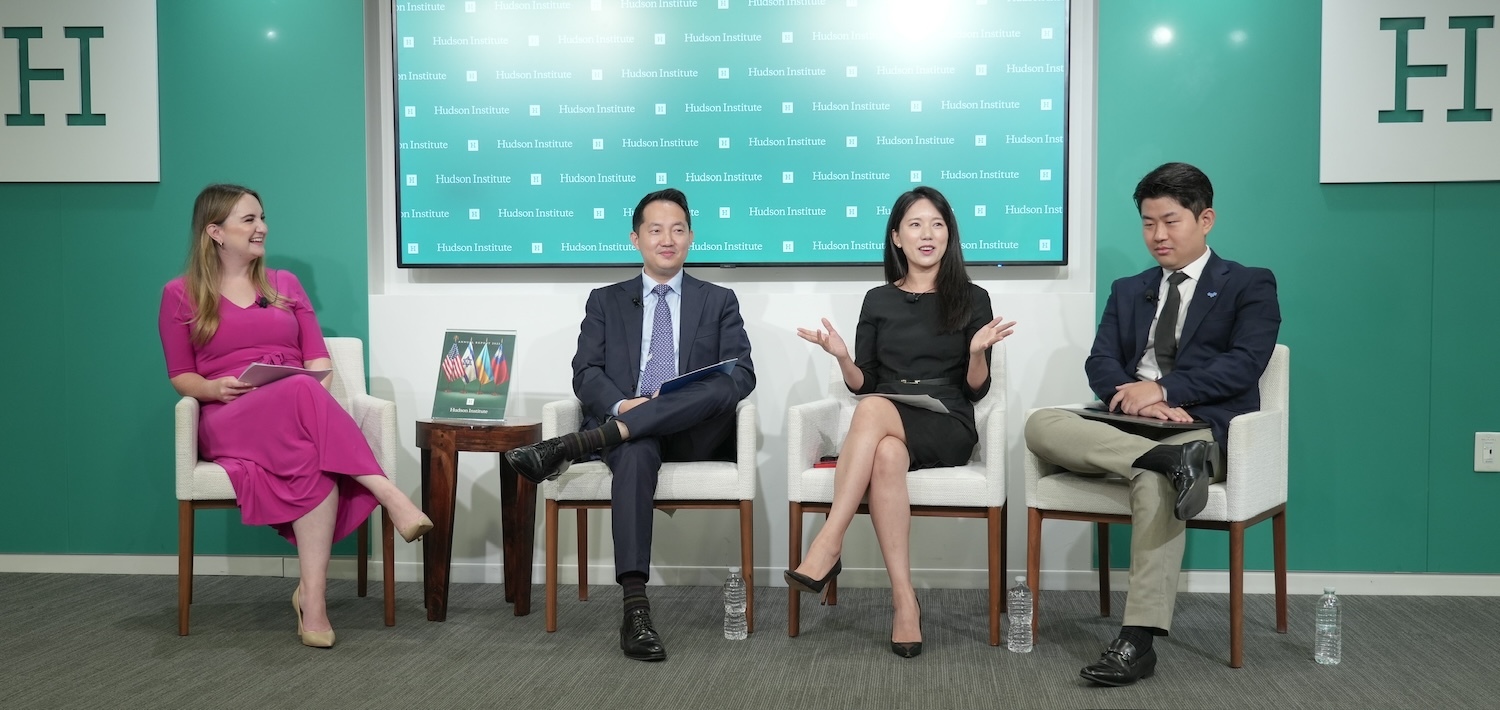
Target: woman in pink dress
x=297, y=460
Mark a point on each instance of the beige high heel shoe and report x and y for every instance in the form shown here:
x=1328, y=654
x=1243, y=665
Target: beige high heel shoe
x=316, y=639
x=415, y=531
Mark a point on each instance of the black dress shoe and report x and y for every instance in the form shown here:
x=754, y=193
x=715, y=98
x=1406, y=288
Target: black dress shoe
x=804, y=583
x=638, y=639
x=1190, y=469
x=539, y=462
x=1192, y=476
x=1121, y=665
x=909, y=649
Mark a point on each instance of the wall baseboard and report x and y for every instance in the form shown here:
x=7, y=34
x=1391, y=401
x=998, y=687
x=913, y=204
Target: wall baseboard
x=1205, y=581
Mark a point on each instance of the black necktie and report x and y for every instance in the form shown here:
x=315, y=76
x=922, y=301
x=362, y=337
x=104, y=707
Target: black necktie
x=1166, y=325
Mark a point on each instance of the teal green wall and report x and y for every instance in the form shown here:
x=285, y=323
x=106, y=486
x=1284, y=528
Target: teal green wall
x=1387, y=291
x=88, y=436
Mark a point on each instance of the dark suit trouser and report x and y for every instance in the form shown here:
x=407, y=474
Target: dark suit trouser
x=691, y=424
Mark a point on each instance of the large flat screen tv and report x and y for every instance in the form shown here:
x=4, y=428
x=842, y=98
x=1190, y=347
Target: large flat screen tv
x=527, y=130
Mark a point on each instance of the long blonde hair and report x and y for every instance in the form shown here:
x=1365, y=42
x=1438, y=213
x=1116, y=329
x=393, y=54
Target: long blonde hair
x=201, y=277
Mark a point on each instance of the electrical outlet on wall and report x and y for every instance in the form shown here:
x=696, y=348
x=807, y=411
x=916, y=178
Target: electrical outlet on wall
x=1486, y=457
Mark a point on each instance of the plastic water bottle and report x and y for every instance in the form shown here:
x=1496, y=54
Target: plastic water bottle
x=1018, y=607
x=1328, y=645
x=734, y=606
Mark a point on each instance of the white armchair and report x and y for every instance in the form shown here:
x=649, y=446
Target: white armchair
x=975, y=490
x=682, y=485
x=202, y=484
x=1255, y=489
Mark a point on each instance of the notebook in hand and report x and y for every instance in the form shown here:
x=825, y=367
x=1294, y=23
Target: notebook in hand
x=1099, y=411
x=687, y=378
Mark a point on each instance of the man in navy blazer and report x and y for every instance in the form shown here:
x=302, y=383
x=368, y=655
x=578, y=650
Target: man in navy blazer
x=1185, y=341
x=636, y=334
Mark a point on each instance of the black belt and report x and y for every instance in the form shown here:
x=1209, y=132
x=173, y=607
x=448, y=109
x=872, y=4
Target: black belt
x=935, y=381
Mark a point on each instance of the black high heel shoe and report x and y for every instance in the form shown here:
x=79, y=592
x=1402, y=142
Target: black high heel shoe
x=804, y=583
x=909, y=649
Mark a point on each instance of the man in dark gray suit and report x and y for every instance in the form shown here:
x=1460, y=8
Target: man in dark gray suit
x=1186, y=340
x=635, y=335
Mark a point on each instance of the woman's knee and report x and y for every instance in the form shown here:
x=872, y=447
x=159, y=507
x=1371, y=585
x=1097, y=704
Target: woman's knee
x=874, y=413
x=891, y=457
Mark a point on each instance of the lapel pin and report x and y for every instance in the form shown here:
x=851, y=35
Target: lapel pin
x=1211, y=294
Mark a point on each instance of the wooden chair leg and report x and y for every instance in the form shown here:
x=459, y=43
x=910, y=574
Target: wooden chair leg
x=184, y=564
x=1004, y=554
x=1034, y=566
x=831, y=592
x=747, y=560
x=1236, y=595
x=1102, y=530
x=583, y=554
x=794, y=558
x=996, y=538
x=388, y=564
x=362, y=568
x=551, y=565
x=1278, y=533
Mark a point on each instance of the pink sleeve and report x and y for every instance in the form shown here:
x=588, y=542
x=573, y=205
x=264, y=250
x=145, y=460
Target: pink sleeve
x=309, y=333
x=172, y=322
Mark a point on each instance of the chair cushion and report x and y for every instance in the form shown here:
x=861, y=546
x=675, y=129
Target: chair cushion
x=211, y=482
x=960, y=486
x=1108, y=495
x=695, y=480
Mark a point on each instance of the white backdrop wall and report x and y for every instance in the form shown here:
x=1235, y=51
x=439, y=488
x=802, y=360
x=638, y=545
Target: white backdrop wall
x=410, y=309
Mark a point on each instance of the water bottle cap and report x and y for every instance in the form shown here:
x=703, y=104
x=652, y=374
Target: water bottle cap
x=1021, y=578
x=1328, y=590
x=734, y=570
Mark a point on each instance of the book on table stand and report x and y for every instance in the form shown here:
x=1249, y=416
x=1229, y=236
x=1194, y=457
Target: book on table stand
x=474, y=373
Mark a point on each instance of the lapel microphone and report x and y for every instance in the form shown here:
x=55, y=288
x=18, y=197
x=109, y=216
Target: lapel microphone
x=262, y=302
x=636, y=301
x=1151, y=295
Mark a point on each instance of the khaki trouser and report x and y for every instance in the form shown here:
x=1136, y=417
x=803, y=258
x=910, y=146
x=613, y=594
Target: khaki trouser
x=1157, y=537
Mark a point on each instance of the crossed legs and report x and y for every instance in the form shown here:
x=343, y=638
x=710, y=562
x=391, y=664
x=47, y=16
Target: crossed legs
x=314, y=533
x=404, y=513
x=873, y=464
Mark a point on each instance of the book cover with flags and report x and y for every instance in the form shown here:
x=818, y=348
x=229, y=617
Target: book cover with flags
x=474, y=375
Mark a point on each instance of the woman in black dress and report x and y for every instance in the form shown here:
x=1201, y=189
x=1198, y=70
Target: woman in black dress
x=928, y=331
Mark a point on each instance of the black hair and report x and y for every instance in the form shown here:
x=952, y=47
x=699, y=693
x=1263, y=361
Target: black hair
x=1179, y=181
x=671, y=194
x=952, y=278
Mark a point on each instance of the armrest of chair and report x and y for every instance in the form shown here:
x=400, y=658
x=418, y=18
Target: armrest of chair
x=812, y=431
x=1257, y=476
x=186, y=415
x=1033, y=466
x=992, y=455
x=746, y=444
x=376, y=418
x=562, y=416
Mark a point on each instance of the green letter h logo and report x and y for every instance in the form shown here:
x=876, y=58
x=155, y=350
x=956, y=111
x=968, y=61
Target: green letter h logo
x=1405, y=71
x=86, y=115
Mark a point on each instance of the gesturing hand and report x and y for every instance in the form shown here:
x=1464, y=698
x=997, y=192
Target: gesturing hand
x=228, y=389
x=992, y=332
x=831, y=342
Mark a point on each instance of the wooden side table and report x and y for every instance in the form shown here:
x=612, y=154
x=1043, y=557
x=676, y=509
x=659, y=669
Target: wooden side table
x=440, y=442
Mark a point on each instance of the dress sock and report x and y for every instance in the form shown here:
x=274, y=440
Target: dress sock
x=578, y=444
x=634, y=586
